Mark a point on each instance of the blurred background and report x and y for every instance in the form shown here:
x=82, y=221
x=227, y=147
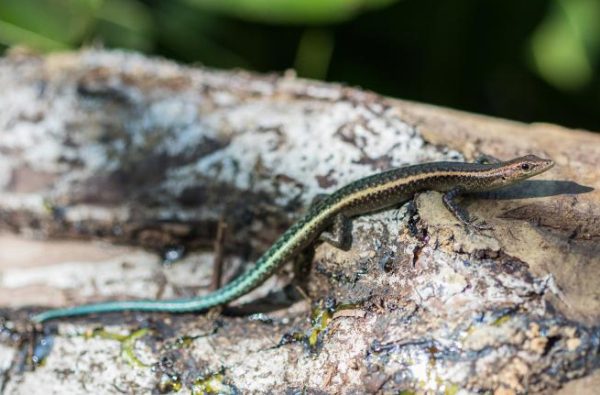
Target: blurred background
x=534, y=60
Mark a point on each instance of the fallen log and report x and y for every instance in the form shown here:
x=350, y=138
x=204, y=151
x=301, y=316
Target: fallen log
x=117, y=169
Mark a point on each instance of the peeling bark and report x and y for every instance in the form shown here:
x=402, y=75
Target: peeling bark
x=115, y=170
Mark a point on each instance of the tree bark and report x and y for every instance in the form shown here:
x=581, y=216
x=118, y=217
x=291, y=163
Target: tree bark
x=117, y=169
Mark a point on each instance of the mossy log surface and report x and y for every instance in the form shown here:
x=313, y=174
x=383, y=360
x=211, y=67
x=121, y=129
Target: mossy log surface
x=116, y=171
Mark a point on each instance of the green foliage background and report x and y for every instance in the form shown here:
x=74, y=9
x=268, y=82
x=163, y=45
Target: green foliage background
x=533, y=60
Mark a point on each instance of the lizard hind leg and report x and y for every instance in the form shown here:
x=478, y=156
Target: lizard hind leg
x=487, y=159
x=341, y=233
x=318, y=198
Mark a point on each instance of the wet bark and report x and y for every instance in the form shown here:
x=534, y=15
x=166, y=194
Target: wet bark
x=116, y=171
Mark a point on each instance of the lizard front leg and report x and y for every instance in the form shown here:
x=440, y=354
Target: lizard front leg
x=459, y=212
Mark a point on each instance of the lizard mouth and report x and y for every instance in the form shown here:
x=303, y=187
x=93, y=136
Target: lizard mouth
x=545, y=164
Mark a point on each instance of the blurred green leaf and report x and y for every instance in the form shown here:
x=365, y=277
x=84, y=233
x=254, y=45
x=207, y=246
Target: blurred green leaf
x=565, y=43
x=124, y=23
x=14, y=35
x=45, y=25
x=314, y=53
x=195, y=36
x=60, y=24
x=292, y=11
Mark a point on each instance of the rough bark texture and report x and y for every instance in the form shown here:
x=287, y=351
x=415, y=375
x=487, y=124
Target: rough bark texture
x=116, y=169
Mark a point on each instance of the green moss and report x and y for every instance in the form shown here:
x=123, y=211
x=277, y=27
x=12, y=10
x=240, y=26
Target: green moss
x=127, y=343
x=104, y=334
x=169, y=383
x=127, y=348
x=182, y=342
x=211, y=384
x=320, y=317
x=451, y=389
x=501, y=320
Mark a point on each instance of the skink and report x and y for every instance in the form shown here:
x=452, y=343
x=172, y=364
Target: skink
x=333, y=213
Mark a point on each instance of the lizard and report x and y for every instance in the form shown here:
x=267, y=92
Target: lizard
x=329, y=219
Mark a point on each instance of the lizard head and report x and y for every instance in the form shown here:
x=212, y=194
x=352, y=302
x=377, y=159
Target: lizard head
x=524, y=167
x=512, y=171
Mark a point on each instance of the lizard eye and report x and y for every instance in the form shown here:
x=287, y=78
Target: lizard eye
x=525, y=166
